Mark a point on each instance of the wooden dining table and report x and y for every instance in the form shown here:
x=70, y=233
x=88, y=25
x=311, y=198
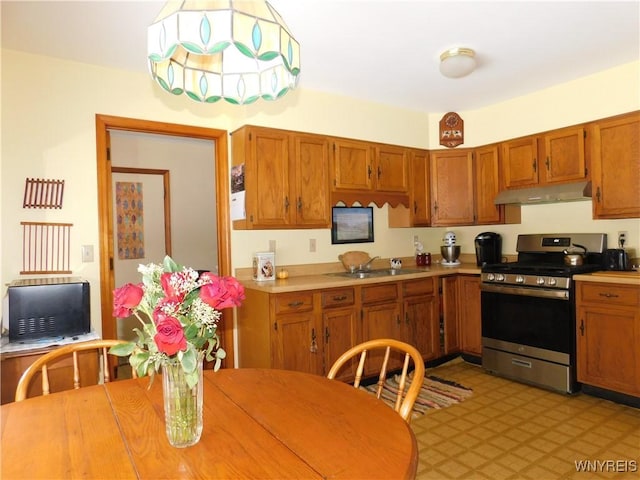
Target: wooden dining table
x=258, y=423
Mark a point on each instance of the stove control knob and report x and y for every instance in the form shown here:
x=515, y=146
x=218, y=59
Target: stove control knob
x=540, y=281
x=491, y=277
x=500, y=277
x=519, y=279
x=551, y=281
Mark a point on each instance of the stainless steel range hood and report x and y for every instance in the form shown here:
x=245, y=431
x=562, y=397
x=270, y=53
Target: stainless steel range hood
x=569, y=192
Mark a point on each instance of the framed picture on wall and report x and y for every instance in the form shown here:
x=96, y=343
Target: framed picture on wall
x=352, y=225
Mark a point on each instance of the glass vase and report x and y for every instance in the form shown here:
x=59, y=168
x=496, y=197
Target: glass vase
x=182, y=405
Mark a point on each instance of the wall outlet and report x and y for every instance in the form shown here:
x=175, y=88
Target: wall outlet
x=623, y=238
x=312, y=244
x=415, y=240
x=272, y=246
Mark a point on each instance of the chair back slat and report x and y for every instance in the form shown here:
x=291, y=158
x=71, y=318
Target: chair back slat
x=41, y=365
x=404, y=401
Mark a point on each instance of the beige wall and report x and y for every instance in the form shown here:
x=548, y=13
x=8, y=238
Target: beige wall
x=48, y=131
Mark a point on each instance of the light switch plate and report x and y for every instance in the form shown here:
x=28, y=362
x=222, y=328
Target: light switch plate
x=87, y=253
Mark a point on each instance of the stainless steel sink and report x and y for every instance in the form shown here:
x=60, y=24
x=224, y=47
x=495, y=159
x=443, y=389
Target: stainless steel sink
x=381, y=272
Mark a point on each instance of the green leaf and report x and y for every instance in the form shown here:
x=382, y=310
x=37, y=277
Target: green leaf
x=189, y=361
x=123, y=349
x=170, y=266
x=192, y=378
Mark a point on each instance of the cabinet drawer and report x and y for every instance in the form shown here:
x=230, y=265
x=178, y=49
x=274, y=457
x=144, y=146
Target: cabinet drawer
x=380, y=293
x=293, y=302
x=337, y=298
x=417, y=287
x=609, y=294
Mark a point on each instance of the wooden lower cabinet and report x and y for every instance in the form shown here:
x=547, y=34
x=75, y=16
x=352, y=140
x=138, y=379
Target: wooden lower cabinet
x=12, y=366
x=608, y=336
x=449, y=323
x=308, y=330
x=469, y=314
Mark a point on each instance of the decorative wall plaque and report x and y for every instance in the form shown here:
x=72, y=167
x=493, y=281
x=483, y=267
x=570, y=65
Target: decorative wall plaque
x=451, y=130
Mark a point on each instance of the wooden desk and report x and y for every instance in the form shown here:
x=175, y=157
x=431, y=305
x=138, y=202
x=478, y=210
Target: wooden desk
x=258, y=423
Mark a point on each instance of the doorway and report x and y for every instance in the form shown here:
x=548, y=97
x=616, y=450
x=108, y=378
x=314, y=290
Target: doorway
x=219, y=157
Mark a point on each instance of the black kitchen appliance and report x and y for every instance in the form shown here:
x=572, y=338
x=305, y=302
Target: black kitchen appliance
x=48, y=307
x=488, y=248
x=616, y=259
x=528, y=310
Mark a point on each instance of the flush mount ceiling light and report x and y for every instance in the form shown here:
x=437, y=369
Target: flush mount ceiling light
x=210, y=50
x=457, y=62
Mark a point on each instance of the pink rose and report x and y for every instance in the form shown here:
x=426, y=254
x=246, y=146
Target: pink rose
x=126, y=298
x=170, y=338
x=222, y=292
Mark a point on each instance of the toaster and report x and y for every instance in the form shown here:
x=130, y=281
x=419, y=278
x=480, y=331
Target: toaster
x=616, y=259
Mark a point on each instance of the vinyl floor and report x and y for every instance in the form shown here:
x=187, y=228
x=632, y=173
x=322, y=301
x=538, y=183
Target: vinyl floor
x=508, y=430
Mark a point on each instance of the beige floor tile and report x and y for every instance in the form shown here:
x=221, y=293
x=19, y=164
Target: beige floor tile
x=507, y=430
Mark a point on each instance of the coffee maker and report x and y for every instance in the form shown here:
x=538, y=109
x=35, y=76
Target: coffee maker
x=488, y=248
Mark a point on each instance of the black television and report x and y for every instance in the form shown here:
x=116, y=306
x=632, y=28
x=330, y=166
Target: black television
x=48, y=307
x=351, y=225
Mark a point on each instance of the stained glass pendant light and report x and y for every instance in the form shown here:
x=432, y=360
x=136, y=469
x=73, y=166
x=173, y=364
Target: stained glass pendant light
x=210, y=50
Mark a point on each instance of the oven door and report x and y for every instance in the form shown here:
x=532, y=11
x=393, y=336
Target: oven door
x=530, y=321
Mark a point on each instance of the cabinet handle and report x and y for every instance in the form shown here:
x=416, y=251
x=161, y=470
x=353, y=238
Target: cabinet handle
x=326, y=334
x=582, y=327
x=435, y=207
x=299, y=203
x=369, y=171
x=415, y=207
x=339, y=298
x=398, y=320
x=535, y=165
x=314, y=345
x=406, y=318
x=379, y=172
x=295, y=304
x=286, y=204
x=548, y=163
x=598, y=194
x=608, y=295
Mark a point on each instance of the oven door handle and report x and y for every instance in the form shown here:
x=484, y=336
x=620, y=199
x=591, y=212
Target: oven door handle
x=526, y=292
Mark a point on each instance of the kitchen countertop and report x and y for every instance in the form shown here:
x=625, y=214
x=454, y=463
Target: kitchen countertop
x=619, y=277
x=321, y=280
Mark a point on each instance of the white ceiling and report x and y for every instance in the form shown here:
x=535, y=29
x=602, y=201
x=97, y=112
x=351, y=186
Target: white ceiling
x=381, y=50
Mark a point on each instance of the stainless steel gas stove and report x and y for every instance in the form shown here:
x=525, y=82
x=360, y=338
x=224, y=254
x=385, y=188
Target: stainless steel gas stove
x=528, y=310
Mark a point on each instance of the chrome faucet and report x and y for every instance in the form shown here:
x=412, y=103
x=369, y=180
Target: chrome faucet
x=367, y=265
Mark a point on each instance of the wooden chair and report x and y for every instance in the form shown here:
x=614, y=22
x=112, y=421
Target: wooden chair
x=40, y=365
x=404, y=402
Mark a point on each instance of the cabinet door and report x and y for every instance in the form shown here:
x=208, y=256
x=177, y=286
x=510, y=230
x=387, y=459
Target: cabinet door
x=340, y=334
x=564, y=158
x=311, y=181
x=607, y=348
x=449, y=313
x=520, y=162
x=392, y=165
x=419, y=179
x=295, y=343
x=452, y=186
x=382, y=321
x=615, y=160
x=487, y=185
x=268, y=202
x=352, y=165
x=422, y=326
x=469, y=313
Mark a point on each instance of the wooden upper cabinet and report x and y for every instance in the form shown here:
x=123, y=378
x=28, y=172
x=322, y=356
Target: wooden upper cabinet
x=286, y=178
x=452, y=187
x=487, y=170
x=615, y=163
x=352, y=165
x=392, y=169
x=520, y=162
x=311, y=181
x=564, y=158
x=420, y=209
